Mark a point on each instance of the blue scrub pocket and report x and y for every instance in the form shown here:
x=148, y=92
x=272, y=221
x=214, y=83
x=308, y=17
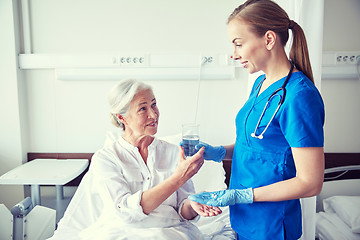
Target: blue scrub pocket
x=257, y=168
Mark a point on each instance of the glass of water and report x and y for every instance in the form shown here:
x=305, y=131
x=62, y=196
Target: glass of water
x=190, y=137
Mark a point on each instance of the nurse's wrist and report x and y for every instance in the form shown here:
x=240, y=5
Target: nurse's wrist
x=222, y=153
x=255, y=198
x=243, y=196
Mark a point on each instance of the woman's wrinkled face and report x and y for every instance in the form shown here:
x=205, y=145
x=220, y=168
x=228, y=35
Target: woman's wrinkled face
x=249, y=49
x=143, y=115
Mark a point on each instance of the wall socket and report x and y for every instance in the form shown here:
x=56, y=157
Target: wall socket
x=129, y=60
x=347, y=58
x=341, y=58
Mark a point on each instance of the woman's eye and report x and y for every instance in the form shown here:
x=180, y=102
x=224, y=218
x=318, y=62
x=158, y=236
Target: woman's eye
x=142, y=109
x=238, y=45
x=153, y=105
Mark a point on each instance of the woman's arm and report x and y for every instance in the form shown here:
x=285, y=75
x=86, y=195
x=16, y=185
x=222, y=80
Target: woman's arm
x=191, y=209
x=308, y=182
x=229, y=151
x=186, y=168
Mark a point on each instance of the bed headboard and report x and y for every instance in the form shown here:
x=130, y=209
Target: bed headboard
x=331, y=160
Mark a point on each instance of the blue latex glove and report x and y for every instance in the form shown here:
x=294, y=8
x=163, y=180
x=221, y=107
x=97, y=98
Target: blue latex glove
x=216, y=154
x=224, y=197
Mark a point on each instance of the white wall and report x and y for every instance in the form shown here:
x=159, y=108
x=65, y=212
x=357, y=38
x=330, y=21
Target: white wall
x=12, y=113
x=341, y=97
x=72, y=116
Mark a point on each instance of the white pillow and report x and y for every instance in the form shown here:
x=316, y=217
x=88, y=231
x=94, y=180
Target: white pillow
x=347, y=208
x=211, y=176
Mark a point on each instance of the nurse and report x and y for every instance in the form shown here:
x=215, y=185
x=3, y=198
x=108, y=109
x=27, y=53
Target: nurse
x=278, y=155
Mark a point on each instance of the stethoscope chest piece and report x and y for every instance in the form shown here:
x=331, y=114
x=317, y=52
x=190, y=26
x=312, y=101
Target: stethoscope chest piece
x=259, y=137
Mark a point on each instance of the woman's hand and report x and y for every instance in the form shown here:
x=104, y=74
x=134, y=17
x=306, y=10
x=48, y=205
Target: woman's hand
x=191, y=209
x=189, y=167
x=186, y=168
x=205, y=210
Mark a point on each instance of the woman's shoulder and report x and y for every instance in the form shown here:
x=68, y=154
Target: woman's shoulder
x=300, y=85
x=302, y=90
x=167, y=145
x=109, y=154
x=300, y=81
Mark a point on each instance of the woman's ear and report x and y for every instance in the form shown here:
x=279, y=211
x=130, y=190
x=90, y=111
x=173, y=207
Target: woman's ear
x=121, y=118
x=270, y=38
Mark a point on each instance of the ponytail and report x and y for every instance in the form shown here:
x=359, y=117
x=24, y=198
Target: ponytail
x=299, y=53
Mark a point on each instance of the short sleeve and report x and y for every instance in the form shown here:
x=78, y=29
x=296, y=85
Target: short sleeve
x=302, y=118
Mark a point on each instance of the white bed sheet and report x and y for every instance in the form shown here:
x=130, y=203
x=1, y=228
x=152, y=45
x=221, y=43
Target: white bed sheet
x=85, y=208
x=330, y=227
x=218, y=227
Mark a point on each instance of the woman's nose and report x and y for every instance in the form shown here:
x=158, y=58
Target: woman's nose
x=236, y=55
x=153, y=114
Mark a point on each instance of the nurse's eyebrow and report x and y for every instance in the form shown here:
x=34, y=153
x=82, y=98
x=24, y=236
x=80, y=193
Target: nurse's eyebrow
x=233, y=41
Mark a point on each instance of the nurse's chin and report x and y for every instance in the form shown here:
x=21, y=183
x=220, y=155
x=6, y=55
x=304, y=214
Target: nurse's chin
x=251, y=70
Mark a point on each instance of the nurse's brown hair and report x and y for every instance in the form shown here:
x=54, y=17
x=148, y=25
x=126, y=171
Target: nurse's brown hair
x=265, y=15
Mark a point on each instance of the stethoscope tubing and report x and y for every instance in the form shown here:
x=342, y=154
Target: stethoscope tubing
x=281, y=101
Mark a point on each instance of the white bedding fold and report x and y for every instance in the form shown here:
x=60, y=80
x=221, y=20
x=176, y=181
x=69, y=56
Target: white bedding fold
x=330, y=227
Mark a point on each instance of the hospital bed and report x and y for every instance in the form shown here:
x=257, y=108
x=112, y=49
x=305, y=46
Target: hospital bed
x=338, y=204
x=216, y=227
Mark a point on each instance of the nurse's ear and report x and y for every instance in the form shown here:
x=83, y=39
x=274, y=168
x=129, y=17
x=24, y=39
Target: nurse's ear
x=270, y=39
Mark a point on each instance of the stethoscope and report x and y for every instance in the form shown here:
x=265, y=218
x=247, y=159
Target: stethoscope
x=275, y=93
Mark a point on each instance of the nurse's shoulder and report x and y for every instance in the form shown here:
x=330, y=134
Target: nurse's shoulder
x=300, y=86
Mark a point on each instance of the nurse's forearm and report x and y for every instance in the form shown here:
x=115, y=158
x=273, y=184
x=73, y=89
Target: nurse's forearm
x=282, y=191
x=308, y=182
x=229, y=151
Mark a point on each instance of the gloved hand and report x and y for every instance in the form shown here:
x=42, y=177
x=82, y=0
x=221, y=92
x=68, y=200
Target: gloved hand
x=224, y=197
x=216, y=154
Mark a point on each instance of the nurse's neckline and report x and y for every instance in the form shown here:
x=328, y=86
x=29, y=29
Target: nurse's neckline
x=259, y=86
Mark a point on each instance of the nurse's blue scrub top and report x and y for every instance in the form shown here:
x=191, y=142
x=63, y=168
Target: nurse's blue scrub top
x=259, y=162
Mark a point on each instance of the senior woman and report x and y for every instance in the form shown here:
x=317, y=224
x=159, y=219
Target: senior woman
x=140, y=182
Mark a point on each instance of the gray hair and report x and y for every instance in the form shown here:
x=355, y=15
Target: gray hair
x=120, y=97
